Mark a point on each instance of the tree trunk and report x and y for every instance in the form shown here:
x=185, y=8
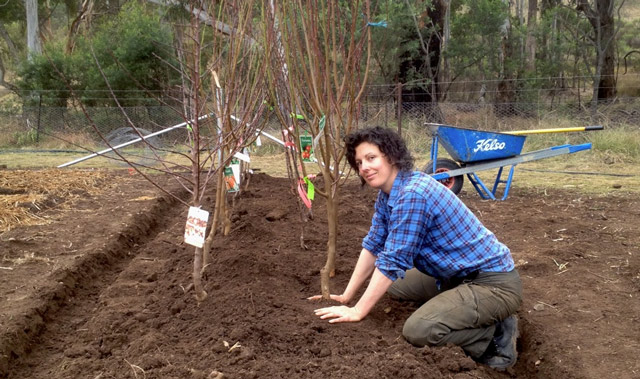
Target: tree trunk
x=15, y=56
x=33, y=33
x=444, y=72
x=428, y=64
x=505, y=96
x=201, y=294
x=607, y=81
x=2, y=81
x=530, y=48
x=83, y=16
x=220, y=187
x=329, y=269
x=602, y=21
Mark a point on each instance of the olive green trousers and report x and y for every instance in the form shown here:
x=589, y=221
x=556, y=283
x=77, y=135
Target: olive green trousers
x=464, y=314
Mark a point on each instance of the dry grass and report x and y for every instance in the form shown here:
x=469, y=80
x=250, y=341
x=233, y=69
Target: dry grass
x=630, y=11
x=581, y=171
x=592, y=172
x=25, y=259
x=629, y=83
x=25, y=193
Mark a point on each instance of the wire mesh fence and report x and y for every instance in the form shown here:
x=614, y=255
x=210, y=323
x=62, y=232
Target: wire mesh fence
x=90, y=123
x=502, y=116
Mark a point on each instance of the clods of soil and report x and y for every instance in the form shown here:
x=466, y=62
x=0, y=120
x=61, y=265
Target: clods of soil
x=103, y=291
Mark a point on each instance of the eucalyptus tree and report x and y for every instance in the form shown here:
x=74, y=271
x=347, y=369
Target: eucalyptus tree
x=9, y=51
x=33, y=27
x=410, y=49
x=601, y=16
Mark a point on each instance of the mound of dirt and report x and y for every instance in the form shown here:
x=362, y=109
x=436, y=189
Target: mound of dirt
x=132, y=314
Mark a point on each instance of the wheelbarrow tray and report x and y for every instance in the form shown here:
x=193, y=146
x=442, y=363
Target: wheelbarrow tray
x=512, y=161
x=468, y=145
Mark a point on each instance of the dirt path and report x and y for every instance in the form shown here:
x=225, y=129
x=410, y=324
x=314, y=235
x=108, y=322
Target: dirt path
x=127, y=314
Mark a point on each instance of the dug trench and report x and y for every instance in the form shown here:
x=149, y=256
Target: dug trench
x=129, y=312
x=53, y=290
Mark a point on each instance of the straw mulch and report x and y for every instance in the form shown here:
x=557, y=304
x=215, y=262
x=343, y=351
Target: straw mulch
x=24, y=194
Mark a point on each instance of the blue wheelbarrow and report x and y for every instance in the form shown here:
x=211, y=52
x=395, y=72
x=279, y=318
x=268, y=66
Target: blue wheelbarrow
x=474, y=150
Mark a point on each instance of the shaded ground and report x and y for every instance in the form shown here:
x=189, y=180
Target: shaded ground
x=102, y=292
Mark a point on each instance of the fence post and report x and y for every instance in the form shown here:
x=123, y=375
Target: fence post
x=386, y=112
x=399, y=110
x=38, y=124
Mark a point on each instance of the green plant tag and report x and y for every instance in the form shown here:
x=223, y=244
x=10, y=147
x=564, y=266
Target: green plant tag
x=231, y=179
x=306, y=144
x=311, y=189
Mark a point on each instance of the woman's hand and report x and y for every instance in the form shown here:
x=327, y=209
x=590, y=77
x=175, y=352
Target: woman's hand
x=339, y=298
x=340, y=313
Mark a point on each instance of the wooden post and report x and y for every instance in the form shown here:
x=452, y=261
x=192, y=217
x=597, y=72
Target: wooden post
x=399, y=110
x=39, y=116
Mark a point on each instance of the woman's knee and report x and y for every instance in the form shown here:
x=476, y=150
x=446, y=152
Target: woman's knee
x=424, y=332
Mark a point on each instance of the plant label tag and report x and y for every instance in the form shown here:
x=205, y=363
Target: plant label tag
x=196, y=226
x=243, y=156
x=232, y=176
x=306, y=144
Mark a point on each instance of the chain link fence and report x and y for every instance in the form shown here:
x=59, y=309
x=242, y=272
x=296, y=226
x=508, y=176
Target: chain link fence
x=33, y=124
x=502, y=116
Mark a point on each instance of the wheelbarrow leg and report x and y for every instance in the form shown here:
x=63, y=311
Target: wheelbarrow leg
x=482, y=190
x=434, y=152
x=507, y=182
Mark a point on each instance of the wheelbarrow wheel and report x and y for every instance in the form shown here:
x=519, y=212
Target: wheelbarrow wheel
x=442, y=165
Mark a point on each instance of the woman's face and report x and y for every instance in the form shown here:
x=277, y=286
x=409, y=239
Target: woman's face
x=374, y=167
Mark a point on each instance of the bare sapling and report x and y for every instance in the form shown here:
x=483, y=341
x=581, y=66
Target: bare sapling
x=286, y=110
x=326, y=56
x=220, y=97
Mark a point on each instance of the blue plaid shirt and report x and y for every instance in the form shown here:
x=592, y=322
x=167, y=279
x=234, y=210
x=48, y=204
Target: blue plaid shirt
x=424, y=225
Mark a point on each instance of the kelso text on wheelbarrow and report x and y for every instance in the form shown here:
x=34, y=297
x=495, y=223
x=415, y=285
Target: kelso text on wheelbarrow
x=488, y=145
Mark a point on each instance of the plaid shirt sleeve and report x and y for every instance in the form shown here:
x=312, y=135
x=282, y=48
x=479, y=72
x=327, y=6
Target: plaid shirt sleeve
x=408, y=225
x=375, y=239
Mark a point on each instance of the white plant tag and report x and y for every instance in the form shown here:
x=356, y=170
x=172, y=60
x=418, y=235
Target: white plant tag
x=196, y=226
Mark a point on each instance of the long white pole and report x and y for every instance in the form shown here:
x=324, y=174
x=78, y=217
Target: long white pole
x=153, y=135
x=127, y=143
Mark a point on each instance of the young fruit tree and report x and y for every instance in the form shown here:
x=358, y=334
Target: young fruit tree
x=319, y=71
x=220, y=97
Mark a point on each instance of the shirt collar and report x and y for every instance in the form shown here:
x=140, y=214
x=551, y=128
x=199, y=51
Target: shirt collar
x=398, y=183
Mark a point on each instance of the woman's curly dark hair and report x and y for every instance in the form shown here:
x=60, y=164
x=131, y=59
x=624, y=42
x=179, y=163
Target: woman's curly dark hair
x=387, y=140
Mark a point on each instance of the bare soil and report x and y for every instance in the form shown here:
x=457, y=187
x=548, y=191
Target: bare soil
x=103, y=292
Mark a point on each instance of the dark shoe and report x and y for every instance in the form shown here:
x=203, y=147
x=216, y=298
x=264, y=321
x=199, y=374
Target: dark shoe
x=502, y=352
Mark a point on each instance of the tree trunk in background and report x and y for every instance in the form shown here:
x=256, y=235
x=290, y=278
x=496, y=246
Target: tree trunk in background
x=602, y=21
x=429, y=26
x=84, y=15
x=521, y=21
x=13, y=52
x=33, y=33
x=530, y=48
x=444, y=72
x=7, y=39
x=505, y=96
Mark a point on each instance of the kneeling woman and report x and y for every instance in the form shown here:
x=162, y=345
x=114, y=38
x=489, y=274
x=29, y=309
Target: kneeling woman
x=425, y=245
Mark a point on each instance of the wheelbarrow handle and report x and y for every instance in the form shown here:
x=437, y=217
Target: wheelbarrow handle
x=556, y=130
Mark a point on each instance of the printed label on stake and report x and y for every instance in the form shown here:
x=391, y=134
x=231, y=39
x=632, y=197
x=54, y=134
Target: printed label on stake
x=196, y=226
x=232, y=176
x=306, y=144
